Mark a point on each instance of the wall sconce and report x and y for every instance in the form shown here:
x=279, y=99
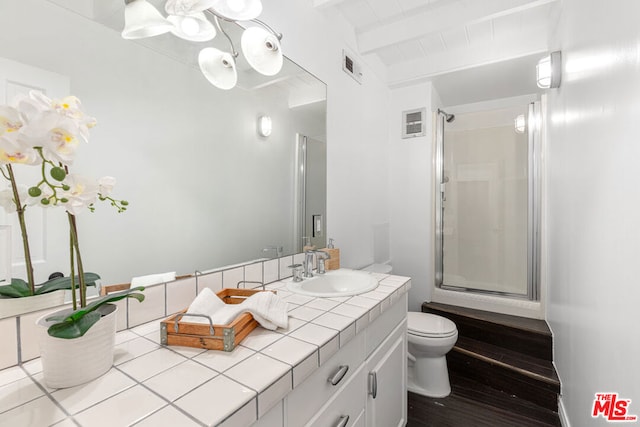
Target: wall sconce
x=264, y=126
x=520, y=123
x=549, y=71
x=200, y=21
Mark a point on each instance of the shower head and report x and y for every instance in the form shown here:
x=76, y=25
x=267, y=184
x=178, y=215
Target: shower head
x=448, y=117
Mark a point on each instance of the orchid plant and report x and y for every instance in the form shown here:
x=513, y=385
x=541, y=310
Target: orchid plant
x=40, y=132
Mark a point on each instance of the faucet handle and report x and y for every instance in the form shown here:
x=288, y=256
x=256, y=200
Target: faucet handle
x=321, y=265
x=297, y=272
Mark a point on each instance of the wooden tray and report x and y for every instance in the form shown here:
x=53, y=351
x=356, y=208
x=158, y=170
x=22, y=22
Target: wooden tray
x=174, y=331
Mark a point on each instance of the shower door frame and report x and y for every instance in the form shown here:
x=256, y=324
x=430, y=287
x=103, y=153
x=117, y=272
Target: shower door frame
x=533, y=209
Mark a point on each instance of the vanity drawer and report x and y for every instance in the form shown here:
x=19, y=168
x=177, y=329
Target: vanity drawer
x=346, y=408
x=307, y=399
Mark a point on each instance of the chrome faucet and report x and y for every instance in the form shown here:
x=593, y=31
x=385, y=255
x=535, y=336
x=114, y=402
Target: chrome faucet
x=321, y=256
x=308, y=264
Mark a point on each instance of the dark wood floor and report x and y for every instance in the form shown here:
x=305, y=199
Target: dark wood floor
x=459, y=411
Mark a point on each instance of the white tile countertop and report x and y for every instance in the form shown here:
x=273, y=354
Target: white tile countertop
x=153, y=385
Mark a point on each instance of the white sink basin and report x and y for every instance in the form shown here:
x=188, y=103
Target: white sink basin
x=335, y=283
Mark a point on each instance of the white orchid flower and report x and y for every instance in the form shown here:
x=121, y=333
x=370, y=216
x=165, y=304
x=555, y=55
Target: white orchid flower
x=56, y=134
x=9, y=120
x=28, y=107
x=106, y=184
x=82, y=193
x=70, y=107
x=15, y=150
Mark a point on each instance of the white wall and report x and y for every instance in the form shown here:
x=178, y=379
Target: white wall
x=411, y=195
x=594, y=200
x=357, y=126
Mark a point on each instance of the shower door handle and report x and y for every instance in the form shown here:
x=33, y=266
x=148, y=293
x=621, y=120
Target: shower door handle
x=442, y=190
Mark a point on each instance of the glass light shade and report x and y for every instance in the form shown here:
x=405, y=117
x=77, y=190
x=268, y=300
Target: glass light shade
x=142, y=20
x=238, y=10
x=264, y=126
x=218, y=67
x=262, y=50
x=543, y=72
x=549, y=70
x=187, y=7
x=196, y=28
x=520, y=123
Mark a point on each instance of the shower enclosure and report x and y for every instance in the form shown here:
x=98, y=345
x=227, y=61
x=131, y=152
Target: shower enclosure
x=310, y=193
x=487, y=202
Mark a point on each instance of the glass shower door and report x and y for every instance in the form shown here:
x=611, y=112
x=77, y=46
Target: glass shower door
x=485, y=207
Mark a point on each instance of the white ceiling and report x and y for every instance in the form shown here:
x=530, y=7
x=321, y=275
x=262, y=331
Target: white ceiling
x=484, y=47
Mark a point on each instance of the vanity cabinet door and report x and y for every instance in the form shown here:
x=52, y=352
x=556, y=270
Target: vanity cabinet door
x=386, y=382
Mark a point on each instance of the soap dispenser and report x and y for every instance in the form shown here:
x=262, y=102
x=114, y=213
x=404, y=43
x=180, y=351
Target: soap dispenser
x=333, y=263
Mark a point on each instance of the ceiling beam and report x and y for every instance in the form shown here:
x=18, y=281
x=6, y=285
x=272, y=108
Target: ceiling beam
x=526, y=43
x=437, y=20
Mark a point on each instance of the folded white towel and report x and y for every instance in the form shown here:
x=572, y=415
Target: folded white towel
x=153, y=279
x=205, y=303
x=269, y=310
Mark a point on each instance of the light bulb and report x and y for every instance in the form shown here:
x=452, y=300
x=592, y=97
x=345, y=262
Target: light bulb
x=189, y=26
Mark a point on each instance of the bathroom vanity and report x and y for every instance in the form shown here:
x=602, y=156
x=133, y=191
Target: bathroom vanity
x=341, y=362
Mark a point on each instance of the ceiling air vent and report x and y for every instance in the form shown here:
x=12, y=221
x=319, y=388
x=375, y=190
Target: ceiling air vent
x=351, y=67
x=413, y=123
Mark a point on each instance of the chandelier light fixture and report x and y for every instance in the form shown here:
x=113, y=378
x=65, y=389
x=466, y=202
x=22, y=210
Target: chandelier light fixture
x=200, y=21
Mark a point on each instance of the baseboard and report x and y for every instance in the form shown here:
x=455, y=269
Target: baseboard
x=562, y=413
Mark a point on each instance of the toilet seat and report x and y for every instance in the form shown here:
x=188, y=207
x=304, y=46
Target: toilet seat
x=430, y=325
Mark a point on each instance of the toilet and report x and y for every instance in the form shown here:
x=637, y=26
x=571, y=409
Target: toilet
x=430, y=338
x=379, y=268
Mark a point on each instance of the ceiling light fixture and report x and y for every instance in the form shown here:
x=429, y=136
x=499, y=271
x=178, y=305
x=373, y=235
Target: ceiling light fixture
x=549, y=71
x=192, y=20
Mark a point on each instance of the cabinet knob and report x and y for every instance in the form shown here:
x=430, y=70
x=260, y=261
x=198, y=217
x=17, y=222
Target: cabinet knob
x=339, y=375
x=373, y=384
x=342, y=422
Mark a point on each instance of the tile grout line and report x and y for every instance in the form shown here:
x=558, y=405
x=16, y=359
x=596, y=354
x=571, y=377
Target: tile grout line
x=50, y=397
x=169, y=403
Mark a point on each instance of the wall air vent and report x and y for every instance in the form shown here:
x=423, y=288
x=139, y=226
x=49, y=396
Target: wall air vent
x=351, y=67
x=413, y=123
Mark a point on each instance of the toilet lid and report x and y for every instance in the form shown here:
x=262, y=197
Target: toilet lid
x=429, y=325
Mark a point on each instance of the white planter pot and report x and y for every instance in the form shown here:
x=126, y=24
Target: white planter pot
x=16, y=306
x=70, y=362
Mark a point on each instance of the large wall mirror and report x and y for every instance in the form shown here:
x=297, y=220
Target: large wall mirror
x=205, y=190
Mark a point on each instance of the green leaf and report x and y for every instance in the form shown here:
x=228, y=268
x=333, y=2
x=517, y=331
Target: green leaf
x=17, y=289
x=65, y=283
x=74, y=320
x=74, y=329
